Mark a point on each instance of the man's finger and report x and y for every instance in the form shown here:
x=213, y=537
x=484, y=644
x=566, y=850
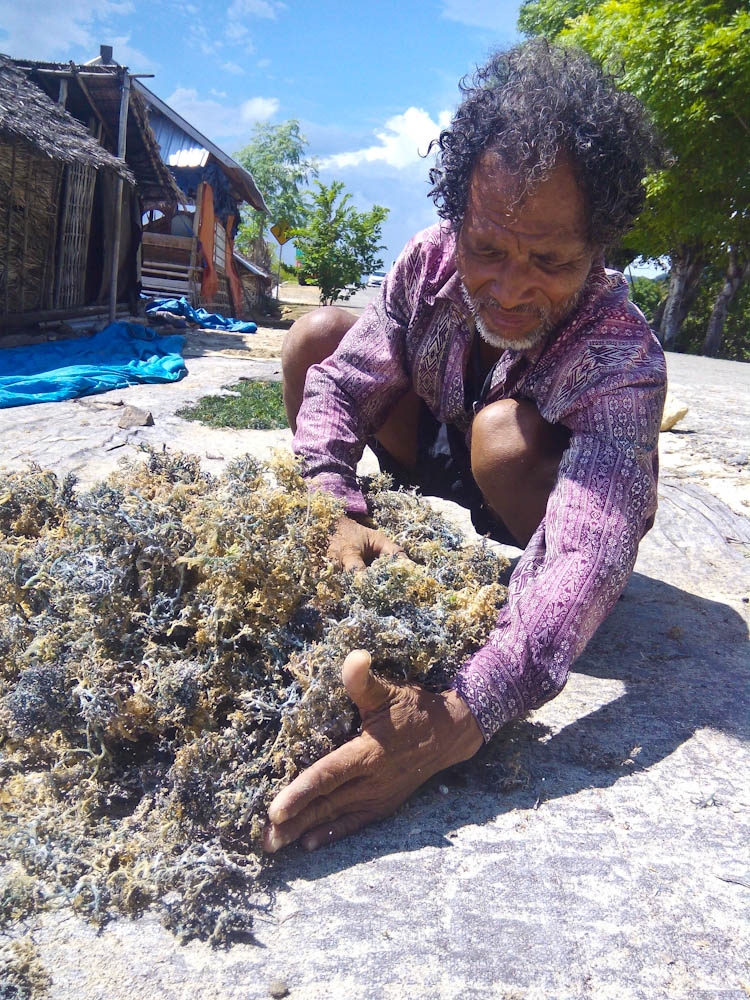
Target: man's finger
x=320, y=779
x=321, y=811
x=390, y=548
x=350, y=559
x=329, y=833
x=367, y=692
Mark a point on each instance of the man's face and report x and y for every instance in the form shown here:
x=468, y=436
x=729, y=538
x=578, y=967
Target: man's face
x=523, y=264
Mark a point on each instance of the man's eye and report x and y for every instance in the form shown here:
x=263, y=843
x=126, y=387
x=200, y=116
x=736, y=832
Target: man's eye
x=553, y=264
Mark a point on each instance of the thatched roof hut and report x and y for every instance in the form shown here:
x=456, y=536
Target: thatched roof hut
x=28, y=115
x=92, y=94
x=48, y=169
x=80, y=164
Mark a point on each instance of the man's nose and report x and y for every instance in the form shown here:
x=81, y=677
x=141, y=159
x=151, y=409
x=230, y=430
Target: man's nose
x=513, y=285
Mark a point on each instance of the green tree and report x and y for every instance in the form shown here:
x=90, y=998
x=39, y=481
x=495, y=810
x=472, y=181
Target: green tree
x=339, y=245
x=689, y=62
x=550, y=17
x=275, y=156
x=648, y=294
x=735, y=342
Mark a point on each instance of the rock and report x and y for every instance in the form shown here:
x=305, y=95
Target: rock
x=674, y=411
x=134, y=416
x=278, y=988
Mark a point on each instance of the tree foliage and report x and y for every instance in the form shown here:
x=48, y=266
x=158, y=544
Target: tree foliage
x=735, y=341
x=338, y=245
x=648, y=294
x=689, y=62
x=550, y=17
x=275, y=156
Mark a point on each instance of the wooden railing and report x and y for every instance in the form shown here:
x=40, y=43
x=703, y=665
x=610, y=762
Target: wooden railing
x=169, y=266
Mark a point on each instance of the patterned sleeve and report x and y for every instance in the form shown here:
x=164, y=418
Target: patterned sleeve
x=348, y=396
x=580, y=557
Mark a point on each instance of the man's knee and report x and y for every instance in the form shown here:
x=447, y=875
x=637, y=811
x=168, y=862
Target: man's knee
x=316, y=335
x=312, y=339
x=515, y=459
x=504, y=431
x=510, y=438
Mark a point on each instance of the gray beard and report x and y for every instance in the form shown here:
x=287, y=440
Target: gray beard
x=533, y=338
x=503, y=344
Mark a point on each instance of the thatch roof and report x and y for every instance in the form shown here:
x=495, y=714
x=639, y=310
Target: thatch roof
x=28, y=115
x=95, y=90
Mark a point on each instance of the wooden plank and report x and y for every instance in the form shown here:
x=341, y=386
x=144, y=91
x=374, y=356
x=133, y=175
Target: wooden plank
x=151, y=279
x=165, y=285
x=157, y=267
x=169, y=265
x=164, y=240
x=46, y=315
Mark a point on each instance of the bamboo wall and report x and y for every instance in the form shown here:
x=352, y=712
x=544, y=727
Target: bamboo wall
x=29, y=208
x=75, y=230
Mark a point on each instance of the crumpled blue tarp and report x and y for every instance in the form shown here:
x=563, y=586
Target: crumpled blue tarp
x=214, y=321
x=122, y=354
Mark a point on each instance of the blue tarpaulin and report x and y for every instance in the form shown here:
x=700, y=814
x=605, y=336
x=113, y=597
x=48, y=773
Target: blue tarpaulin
x=122, y=354
x=214, y=321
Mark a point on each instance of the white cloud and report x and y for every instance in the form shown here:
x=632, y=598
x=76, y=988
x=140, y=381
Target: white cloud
x=254, y=8
x=39, y=29
x=200, y=37
x=221, y=121
x=234, y=68
x=239, y=11
x=403, y=141
x=259, y=109
x=494, y=15
x=126, y=55
x=392, y=172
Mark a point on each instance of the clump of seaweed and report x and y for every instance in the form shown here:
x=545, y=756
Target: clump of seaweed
x=22, y=974
x=170, y=650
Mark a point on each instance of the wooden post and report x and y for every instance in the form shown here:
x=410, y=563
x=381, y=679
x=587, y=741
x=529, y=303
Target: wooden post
x=8, y=233
x=122, y=140
x=195, y=285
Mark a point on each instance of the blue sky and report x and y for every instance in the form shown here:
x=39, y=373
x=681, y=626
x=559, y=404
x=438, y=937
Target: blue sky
x=371, y=83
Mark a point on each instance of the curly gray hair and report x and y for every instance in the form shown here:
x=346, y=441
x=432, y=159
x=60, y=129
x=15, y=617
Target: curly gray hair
x=534, y=103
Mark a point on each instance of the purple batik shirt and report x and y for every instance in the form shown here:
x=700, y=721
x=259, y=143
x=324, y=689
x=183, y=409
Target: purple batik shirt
x=601, y=374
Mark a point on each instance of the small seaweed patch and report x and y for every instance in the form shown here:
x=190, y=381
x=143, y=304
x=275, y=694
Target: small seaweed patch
x=22, y=974
x=170, y=652
x=253, y=405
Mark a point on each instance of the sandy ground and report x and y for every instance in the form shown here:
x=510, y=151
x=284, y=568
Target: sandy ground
x=597, y=850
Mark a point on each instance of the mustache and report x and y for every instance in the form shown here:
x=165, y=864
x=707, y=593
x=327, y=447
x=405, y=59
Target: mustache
x=492, y=303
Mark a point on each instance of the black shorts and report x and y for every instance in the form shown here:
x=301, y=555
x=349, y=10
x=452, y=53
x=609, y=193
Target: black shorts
x=443, y=470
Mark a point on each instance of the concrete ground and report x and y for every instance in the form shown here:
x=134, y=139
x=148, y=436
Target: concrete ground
x=597, y=849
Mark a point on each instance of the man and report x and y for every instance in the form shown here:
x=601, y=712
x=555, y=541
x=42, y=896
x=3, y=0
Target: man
x=503, y=367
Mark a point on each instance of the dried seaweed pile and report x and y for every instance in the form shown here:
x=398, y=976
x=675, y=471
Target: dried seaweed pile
x=170, y=648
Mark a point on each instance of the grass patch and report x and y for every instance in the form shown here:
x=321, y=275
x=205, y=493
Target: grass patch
x=255, y=406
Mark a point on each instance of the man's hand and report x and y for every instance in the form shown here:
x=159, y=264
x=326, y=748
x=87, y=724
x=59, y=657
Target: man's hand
x=355, y=546
x=407, y=735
